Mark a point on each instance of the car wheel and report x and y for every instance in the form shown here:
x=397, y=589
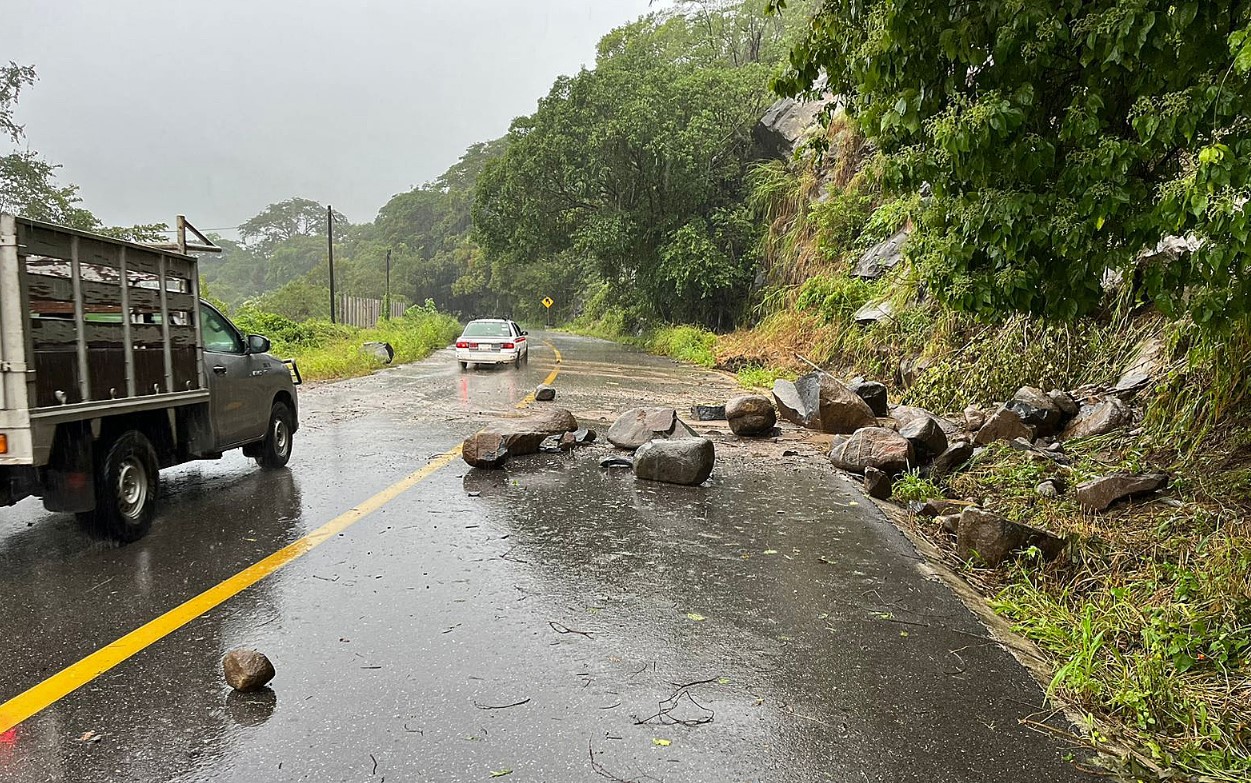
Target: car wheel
x=517, y=362
x=275, y=451
x=464, y=366
x=126, y=489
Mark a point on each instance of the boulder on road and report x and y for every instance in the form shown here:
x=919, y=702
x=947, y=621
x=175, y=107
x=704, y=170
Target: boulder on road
x=687, y=461
x=639, y=425
x=873, y=393
x=839, y=409
x=1097, y=494
x=1004, y=424
x=247, y=670
x=797, y=403
x=708, y=412
x=874, y=447
x=383, y=352
x=1098, y=419
x=493, y=445
x=751, y=415
x=1037, y=410
x=545, y=393
x=992, y=538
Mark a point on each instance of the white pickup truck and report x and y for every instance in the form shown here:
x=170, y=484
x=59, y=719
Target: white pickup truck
x=112, y=368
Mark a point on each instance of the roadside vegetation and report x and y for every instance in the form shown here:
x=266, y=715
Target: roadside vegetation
x=326, y=351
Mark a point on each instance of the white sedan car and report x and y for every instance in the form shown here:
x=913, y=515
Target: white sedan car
x=492, y=341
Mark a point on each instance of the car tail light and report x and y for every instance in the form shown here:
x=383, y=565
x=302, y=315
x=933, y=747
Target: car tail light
x=462, y=344
x=507, y=346
x=4, y=444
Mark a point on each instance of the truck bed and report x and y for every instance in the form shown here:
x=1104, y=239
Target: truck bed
x=91, y=326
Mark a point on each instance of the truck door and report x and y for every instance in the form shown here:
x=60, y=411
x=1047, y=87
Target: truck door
x=232, y=388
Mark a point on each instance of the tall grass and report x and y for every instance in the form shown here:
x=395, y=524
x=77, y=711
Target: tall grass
x=326, y=351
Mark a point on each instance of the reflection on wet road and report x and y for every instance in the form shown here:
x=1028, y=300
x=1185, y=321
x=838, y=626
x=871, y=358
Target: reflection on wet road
x=767, y=627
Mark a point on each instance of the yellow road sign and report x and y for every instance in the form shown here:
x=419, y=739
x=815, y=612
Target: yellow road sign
x=548, y=301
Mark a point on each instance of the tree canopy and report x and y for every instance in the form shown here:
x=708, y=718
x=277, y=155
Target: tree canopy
x=1059, y=138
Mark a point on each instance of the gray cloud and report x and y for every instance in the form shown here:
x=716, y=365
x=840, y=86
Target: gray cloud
x=217, y=109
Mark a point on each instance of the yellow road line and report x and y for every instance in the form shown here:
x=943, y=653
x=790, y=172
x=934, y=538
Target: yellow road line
x=76, y=675
x=551, y=376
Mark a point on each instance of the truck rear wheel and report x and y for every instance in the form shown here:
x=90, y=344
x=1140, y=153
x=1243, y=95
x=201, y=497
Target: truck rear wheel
x=127, y=482
x=275, y=450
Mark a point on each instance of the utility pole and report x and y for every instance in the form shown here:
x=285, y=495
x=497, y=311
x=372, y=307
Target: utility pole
x=387, y=297
x=330, y=246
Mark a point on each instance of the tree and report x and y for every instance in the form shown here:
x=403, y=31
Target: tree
x=621, y=171
x=1059, y=138
x=284, y=220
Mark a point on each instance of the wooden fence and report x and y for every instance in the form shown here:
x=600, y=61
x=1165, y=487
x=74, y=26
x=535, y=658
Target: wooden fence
x=358, y=311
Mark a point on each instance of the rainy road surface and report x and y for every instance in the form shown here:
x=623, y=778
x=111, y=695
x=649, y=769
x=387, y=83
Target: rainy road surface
x=552, y=622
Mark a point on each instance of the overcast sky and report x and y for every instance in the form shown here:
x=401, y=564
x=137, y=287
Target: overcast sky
x=215, y=109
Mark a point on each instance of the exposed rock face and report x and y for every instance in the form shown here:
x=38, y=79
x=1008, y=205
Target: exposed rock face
x=817, y=401
x=874, y=395
x=247, y=670
x=493, y=445
x=1036, y=409
x=1098, y=494
x=992, y=538
x=877, y=484
x=874, y=447
x=686, y=461
x=1098, y=419
x=708, y=412
x=786, y=124
x=927, y=438
x=951, y=460
x=883, y=257
x=545, y=393
x=639, y=425
x=383, y=352
x=1004, y=424
x=872, y=312
x=1144, y=367
x=751, y=415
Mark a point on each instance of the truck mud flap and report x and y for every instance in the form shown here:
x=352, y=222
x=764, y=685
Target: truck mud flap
x=294, y=369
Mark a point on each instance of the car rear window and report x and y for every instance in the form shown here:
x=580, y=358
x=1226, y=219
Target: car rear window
x=487, y=329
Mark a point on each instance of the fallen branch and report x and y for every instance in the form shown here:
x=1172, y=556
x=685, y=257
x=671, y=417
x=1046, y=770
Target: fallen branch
x=564, y=629
x=501, y=706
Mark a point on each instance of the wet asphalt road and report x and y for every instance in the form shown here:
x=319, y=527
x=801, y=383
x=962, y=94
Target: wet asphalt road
x=811, y=645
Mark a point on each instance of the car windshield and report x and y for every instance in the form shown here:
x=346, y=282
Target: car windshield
x=487, y=329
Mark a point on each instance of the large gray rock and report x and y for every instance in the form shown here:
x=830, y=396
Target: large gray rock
x=1037, y=410
x=992, y=538
x=874, y=447
x=819, y=402
x=247, y=670
x=1003, y=424
x=491, y=446
x=874, y=395
x=383, y=352
x=639, y=425
x=787, y=123
x=751, y=415
x=927, y=438
x=1098, y=419
x=1064, y=401
x=708, y=412
x=882, y=257
x=872, y=312
x=686, y=461
x=951, y=460
x=1097, y=494
x=1146, y=365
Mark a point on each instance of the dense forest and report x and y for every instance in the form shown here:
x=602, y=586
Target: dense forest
x=629, y=181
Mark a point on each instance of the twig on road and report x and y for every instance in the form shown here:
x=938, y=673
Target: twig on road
x=564, y=629
x=501, y=706
x=602, y=771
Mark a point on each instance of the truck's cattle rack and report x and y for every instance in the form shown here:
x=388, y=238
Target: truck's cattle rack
x=91, y=325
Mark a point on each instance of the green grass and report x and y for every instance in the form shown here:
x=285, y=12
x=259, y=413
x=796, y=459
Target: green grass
x=686, y=344
x=755, y=376
x=910, y=486
x=326, y=351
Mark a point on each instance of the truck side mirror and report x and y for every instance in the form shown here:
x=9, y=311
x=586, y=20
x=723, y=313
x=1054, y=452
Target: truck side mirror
x=258, y=344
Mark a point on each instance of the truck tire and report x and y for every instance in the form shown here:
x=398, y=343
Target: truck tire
x=275, y=450
x=126, y=488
